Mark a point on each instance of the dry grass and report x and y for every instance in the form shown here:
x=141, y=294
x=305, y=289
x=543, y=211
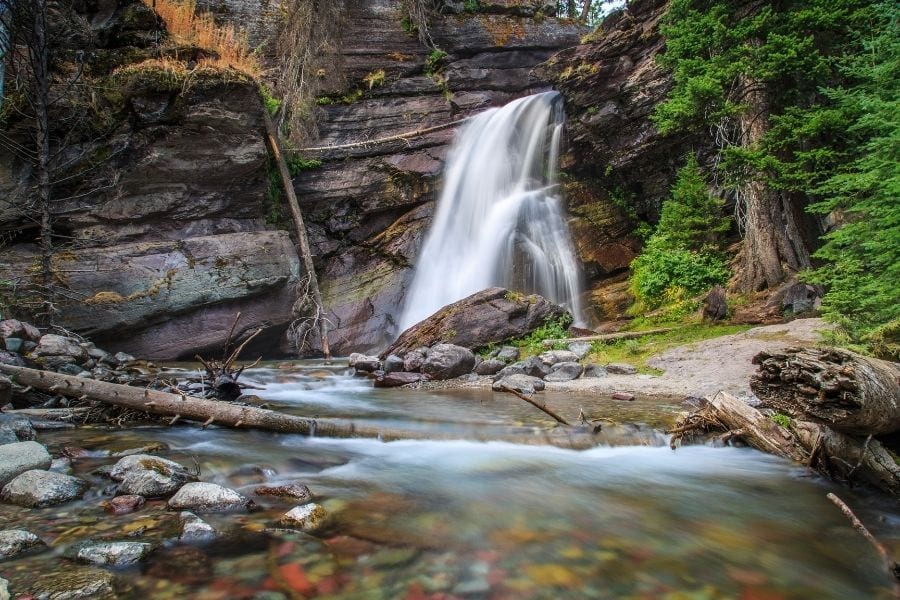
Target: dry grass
x=189, y=28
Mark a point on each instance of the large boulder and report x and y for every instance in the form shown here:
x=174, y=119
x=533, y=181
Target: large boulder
x=489, y=316
x=446, y=361
x=565, y=371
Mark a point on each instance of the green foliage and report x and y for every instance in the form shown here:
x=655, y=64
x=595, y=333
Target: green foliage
x=298, y=164
x=780, y=419
x=552, y=329
x=682, y=257
x=407, y=25
x=435, y=61
x=472, y=5
x=375, y=78
x=271, y=103
x=862, y=257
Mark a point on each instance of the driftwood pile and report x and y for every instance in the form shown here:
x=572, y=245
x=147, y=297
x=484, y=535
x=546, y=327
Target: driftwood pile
x=825, y=408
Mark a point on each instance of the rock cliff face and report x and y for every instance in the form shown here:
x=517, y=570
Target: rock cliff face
x=620, y=168
x=367, y=208
x=159, y=224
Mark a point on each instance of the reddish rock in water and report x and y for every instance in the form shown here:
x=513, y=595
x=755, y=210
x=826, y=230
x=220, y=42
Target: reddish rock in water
x=122, y=505
x=398, y=378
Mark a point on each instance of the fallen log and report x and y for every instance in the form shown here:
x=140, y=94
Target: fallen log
x=848, y=392
x=837, y=455
x=608, y=337
x=209, y=412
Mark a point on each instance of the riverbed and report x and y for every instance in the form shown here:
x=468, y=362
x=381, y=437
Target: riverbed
x=462, y=519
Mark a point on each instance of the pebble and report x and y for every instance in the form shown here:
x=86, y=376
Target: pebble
x=628, y=397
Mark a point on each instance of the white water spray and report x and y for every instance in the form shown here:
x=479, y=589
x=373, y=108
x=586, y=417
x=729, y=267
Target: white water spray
x=500, y=220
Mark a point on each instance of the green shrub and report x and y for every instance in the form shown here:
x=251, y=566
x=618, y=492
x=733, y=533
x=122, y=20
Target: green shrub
x=552, y=329
x=682, y=256
x=435, y=61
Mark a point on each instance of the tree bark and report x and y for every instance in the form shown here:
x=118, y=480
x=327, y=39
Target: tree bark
x=300, y=228
x=832, y=453
x=848, y=392
x=39, y=58
x=773, y=243
x=226, y=414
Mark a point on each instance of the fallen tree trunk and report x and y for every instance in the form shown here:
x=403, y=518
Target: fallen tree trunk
x=607, y=337
x=848, y=392
x=208, y=412
x=834, y=454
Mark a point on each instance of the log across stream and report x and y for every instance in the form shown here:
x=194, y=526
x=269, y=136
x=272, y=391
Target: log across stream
x=420, y=518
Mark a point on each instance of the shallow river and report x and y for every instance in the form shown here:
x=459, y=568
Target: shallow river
x=457, y=519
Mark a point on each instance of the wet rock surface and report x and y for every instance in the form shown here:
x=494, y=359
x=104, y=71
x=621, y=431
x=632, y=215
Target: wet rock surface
x=117, y=554
x=39, y=489
x=16, y=458
x=294, y=491
x=195, y=529
x=208, y=497
x=308, y=517
x=75, y=584
x=15, y=542
x=150, y=476
x=122, y=505
x=398, y=378
x=565, y=371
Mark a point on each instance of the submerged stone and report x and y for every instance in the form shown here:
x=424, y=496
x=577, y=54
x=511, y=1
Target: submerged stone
x=308, y=517
x=38, y=489
x=117, y=554
x=150, y=476
x=19, y=457
x=75, y=584
x=208, y=497
x=14, y=542
x=195, y=529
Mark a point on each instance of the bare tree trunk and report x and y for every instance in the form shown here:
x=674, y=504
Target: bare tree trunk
x=586, y=10
x=299, y=227
x=38, y=57
x=773, y=245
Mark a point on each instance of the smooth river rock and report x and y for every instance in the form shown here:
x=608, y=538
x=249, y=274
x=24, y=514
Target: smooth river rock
x=195, y=529
x=117, y=554
x=14, y=542
x=39, y=489
x=19, y=457
x=491, y=366
x=208, y=497
x=621, y=369
x=551, y=357
x=398, y=378
x=20, y=426
x=149, y=476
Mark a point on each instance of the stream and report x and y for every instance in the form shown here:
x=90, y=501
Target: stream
x=457, y=519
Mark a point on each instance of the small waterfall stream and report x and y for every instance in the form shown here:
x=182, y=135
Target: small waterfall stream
x=500, y=220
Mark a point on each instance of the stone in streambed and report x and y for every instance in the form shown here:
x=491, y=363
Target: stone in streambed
x=208, y=497
x=60, y=345
x=294, y=491
x=14, y=542
x=307, y=517
x=524, y=384
x=20, y=426
x=116, y=554
x=626, y=396
x=38, y=489
x=195, y=529
x=414, y=359
x=17, y=458
x=122, y=505
x=397, y=378
x=551, y=357
x=149, y=476
x=565, y=371
x=492, y=366
x=446, y=361
x=75, y=584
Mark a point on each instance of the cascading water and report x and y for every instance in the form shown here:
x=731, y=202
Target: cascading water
x=500, y=218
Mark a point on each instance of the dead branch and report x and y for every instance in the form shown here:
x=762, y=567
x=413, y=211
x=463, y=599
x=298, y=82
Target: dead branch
x=893, y=568
x=544, y=409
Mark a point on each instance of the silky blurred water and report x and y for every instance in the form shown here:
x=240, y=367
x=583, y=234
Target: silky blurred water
x=464, y=519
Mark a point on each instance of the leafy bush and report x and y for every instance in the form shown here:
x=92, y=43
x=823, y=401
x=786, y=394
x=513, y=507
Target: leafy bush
x=682, y=256
x=434, y=61
x=552, y=329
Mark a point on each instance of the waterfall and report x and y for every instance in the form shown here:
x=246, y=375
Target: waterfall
x=499, y=220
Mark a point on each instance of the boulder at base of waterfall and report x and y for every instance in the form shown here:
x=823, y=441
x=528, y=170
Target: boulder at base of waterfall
x=393, y=363
x=535, y=367
x=397, y=378
x=363, y=363
x=524, y=384
x=565, y=371
x=580, y=349
x=593, y=370
x=414, y=359
x=486, y=317
x=507, y=354
x=446, y=361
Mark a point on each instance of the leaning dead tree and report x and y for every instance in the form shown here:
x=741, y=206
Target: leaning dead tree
x=315, y=295
x=180, y=407
x=222, y=375
x=848, y=392
x=836, y=455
